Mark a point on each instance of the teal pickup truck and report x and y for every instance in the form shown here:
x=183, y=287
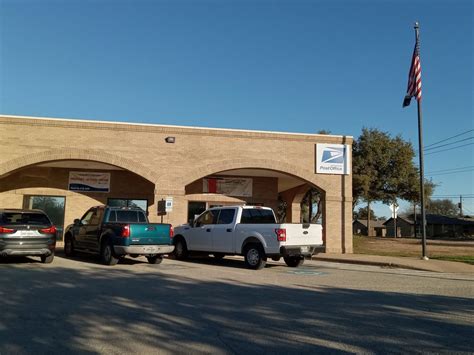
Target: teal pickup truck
x=114, y=232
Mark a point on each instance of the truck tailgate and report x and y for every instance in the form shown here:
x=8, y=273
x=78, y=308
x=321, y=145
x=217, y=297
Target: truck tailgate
x=151, y=233
x=303, y=234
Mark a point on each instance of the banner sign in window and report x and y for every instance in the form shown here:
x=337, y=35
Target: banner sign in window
x=228, y=186
x=332, y=159
x=89, y=181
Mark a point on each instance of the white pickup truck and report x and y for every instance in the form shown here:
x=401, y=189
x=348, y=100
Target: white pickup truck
x=251, y=231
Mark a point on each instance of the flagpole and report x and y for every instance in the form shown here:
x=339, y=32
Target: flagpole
x=422, y=174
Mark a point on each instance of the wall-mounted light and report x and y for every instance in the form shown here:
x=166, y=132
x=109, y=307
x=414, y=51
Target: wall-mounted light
x=170, y=139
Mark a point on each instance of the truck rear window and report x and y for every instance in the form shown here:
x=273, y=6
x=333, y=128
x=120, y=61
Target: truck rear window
x=257, y=216
x=125, y=216
x=26, y=218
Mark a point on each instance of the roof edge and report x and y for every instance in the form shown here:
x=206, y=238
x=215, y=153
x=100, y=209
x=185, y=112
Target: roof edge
x=73, y=120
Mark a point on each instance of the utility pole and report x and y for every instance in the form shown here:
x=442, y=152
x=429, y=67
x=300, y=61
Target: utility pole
x=460, y=206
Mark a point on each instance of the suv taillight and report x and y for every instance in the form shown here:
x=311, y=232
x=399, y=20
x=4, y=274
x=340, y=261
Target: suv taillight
x=50, y=230
x=171, y=232
x=281, y=234
x=126, y=231
x=4, y=230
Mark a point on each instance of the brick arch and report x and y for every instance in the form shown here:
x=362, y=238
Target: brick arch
x=78, y=154
x=296, y=171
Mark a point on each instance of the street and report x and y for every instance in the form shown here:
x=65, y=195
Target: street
x=220, y=307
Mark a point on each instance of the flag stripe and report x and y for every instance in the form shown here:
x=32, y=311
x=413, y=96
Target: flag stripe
x=414, y=78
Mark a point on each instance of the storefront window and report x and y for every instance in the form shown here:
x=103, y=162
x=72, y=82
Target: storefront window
x=195, y=209
x=53, y=206
x=311, y=209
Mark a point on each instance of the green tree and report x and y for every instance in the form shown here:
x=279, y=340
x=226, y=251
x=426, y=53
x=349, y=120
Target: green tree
x=443, y=207
x=362, y=214
x=323, y=131
x=413, y=192
x=383, y=168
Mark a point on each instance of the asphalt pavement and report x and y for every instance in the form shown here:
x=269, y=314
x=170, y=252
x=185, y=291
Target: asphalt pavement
x=220, y=307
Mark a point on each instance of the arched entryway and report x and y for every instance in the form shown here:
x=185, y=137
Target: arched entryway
x=66, y=188
x=252, y=186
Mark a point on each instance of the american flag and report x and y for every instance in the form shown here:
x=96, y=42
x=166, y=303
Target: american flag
x=414, y=78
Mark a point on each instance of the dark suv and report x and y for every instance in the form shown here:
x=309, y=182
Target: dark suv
x=27, y=232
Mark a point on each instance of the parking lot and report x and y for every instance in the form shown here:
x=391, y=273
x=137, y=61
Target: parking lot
x=208, y=306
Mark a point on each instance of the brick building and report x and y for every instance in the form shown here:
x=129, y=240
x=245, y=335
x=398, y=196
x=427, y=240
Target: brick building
x=66, y=166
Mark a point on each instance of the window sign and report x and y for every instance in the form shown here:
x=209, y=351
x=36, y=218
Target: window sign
x=332, y=159
x=228, y=186
x=89, y=181
x=169, y=204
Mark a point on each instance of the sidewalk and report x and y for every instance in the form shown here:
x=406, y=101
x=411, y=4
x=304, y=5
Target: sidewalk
x=398, y=262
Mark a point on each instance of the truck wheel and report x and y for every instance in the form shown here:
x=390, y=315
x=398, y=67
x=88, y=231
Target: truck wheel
x=47, y=259
x=255, y=257
x=294, y=261
x=156, y=259
x=180, y=249
x=107, y=254
x=69, y=246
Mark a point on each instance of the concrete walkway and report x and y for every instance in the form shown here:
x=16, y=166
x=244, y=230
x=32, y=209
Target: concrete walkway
x=399, y=262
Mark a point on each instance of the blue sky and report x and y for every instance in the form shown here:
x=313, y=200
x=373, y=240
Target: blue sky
x=297, y=66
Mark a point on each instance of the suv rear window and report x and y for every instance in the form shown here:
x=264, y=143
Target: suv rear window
x=257, y=216
x=25, y=218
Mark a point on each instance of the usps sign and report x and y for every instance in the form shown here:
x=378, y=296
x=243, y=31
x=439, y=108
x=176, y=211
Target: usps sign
x=332, y=159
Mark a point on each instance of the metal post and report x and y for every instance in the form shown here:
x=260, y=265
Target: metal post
x=422, y=173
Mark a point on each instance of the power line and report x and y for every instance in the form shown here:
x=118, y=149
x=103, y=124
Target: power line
x=444, y=150
x=452, y=169
x=444, y=145
x=467, y=210
x=447, y=139
x=449, y=197
x=451, y=172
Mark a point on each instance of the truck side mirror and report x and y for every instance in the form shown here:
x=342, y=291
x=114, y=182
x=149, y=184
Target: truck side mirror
x=77, y=222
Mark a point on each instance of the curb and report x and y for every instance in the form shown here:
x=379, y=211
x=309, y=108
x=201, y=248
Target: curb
x=373, y=263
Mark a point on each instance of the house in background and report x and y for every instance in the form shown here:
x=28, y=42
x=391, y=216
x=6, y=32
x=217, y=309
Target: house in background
x=377, y=228
x=437, y=226
x=405, y=227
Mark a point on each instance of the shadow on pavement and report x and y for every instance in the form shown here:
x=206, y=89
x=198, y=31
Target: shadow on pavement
x=62, y=310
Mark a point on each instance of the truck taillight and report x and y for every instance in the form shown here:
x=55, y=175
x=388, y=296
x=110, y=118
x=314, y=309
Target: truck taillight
x=125, y=231
x=50, y=230
x=281, y=234
x=171, y=232
x=6, y=230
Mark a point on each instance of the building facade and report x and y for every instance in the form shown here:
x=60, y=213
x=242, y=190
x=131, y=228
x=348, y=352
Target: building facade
x=66, y=166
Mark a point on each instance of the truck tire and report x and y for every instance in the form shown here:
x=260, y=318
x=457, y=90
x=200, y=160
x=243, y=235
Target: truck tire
x=294, y=261
x=47, y=259
x=69, y=246
x=107, y=254
x=156, y=259
x=180, y=249
x=254, y=256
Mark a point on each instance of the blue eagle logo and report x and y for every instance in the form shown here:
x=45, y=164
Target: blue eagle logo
x=333, y=155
